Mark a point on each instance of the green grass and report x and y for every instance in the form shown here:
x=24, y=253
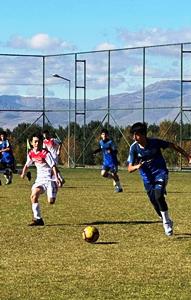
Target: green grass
x=133, y=259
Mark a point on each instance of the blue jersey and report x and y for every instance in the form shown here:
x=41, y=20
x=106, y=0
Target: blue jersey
x=154, y=165
x=6, y=156
x=109, y=153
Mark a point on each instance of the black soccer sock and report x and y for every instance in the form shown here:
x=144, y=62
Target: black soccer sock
x=160, y=199
x=151, y=195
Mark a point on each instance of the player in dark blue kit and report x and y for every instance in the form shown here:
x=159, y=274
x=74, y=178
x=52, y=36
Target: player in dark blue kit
x=110, y=162
x=145, y=155
x=7, y=160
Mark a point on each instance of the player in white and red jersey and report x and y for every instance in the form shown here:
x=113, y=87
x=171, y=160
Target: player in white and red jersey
x=53, y=146
x=47, y=177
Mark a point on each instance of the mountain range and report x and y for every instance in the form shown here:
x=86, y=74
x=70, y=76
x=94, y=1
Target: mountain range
x=162, y=101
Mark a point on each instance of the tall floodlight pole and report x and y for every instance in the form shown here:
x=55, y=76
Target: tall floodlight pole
x=69, y=110
x=43, y=92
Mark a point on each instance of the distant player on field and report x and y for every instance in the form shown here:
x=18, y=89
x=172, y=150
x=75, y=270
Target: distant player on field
x=110, y=162
x=54, y=146
x=145, y=155
x=47, y=177
x=7, y=159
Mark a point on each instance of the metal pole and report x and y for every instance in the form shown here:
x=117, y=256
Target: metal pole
x=75, y=110
x=109, y=86
x=69, y=118
x=43, y=92
x=144, y=84
x=181, y=100
x=69, y=111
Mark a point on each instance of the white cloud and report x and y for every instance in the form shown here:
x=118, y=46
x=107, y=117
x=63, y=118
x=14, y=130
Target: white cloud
x=105, y=46
x=126, y=66
x=40, y=41
x=153, y=36
x=125, y=39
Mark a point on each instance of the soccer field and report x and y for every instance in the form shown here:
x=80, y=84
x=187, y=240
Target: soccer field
x=132, y=259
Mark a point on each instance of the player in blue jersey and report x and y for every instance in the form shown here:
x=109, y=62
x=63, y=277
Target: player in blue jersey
x=145, y=155
x=110, y=162
x=7, y=160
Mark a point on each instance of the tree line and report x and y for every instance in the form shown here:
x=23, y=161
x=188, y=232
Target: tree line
x=83, y=140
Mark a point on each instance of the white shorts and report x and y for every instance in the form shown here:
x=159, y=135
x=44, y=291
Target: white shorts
x=49, y=186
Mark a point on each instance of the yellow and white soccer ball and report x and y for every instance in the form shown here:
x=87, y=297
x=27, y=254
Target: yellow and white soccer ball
x=90, y=234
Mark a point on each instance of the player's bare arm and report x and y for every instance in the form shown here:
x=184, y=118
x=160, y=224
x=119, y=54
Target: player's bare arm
x=132, y=168
x=55, y=172
x=25, y=168
x=59, y=149
x=181, y=151
x=5, y=149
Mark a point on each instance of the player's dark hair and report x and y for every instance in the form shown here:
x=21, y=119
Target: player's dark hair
x=3, y=133
x=46, y=131
x=104, y=130
x=139, y=128
x=36, y=134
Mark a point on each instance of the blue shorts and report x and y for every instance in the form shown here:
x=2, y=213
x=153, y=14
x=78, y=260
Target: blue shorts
x=7, y=160
x=112, y=168
x=157, y=183
x=4, y=165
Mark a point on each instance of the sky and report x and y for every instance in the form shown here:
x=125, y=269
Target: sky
x=48, y=27
x=60, y=26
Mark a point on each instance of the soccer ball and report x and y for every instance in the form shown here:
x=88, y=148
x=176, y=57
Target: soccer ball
x=90, y=234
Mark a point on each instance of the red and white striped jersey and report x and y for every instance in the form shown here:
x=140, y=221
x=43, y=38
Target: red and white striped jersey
x=43, y=162
x=52, y=145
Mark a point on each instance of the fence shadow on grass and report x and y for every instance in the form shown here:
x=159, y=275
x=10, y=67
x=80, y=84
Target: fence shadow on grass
x=120, y=222
x=102, y=188
x=60, y=225
x=105, y=243
x=182, y=236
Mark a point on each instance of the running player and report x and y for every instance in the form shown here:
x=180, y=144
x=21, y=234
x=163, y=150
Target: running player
x=47, y=177
x=110, y=162
x=7, y=160
x=53, y=146
x=145, y=155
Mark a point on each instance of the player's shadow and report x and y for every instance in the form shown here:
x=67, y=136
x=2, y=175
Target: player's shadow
x=105, y=223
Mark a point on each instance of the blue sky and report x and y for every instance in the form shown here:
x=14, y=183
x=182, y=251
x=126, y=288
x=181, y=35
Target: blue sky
x=45, y=26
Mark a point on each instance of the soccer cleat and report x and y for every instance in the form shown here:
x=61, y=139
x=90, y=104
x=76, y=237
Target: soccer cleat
x=37, y=222
x=118, y=189
x=8, y=181
x=28, y=175
x=8, y=176
x=168, y=228
x=61, y=179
